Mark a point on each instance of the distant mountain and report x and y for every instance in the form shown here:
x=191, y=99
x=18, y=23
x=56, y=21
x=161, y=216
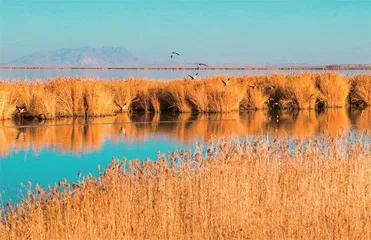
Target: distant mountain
x=84, y=56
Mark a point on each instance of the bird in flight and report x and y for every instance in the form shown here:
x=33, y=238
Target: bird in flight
x=193, y=77
x=123, y=107
x=226, y=82
x=174, y=53
x=21, y=109
x=200, y=65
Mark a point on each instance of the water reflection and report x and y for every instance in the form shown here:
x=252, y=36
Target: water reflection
x=78, y=136
x=53, y=150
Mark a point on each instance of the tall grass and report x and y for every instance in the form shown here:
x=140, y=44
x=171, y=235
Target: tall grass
x=256, y=96
x=222, y=98
x=69, y=96
x=334, y=89
x=177, y=98
x=301, y=89
x=230, y=189
x=5, y=100
x=197, y=97
x=98, y=100
x=75, y=97
x=361, y=90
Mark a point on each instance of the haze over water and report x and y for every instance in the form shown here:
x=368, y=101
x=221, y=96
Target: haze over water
x=45, y=74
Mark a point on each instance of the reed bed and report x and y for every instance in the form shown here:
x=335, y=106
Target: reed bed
x=361, y=93
x=82, y=97
x=334, y=88
x=227, y=188
x=301, y=90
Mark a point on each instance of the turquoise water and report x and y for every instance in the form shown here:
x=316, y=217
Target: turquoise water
x=50, y=151
x=48, y=166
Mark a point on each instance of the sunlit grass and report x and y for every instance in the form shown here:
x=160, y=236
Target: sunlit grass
x=83, y=97
x=361, y=90
x=256, y=189
x=334, y=89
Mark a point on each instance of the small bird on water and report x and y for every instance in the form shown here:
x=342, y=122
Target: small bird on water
x=174, y=53
x=123, y=131
x=20, y=136
x=226, y=82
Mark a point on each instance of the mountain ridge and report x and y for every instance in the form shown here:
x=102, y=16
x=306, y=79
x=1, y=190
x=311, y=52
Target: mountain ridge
x=83, y=56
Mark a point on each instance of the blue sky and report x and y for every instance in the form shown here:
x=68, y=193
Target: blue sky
x=252, y=32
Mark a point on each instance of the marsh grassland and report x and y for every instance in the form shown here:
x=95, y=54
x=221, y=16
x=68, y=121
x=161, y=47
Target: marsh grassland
x=304, y=174
x=227, y=188
x=82, y=97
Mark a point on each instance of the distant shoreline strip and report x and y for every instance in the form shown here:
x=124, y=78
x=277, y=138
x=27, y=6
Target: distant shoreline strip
x=324, y=68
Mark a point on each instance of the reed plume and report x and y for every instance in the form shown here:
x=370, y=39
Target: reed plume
x=226, y=188
x=82, y=97
x=334, y=89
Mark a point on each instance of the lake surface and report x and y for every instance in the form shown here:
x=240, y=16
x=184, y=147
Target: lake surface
x=30, y=74
x=50, y=151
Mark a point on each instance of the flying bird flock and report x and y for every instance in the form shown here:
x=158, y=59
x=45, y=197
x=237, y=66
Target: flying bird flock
x=193, y=77
x=271, y=101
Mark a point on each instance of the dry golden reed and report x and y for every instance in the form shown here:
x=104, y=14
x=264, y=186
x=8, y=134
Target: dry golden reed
x=83, y=97
x=334, y=89
x=361, y=92
x=301, y=89
x=226, y=189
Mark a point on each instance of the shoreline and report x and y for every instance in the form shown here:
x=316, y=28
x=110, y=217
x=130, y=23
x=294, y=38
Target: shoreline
x=323, y=68
x=197, y=194
x=182, y=127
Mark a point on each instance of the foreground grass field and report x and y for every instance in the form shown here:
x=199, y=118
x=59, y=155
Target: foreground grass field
x=234, y=188
x=73, y=97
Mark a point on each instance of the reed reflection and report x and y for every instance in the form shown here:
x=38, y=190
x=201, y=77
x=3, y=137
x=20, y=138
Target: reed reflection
x=78, y=136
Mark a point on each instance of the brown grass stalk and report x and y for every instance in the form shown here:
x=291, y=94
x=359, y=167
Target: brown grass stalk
x=75, y=97
x=361, y=90
x=239, y=190
x=301, y=89
x=334, y=89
